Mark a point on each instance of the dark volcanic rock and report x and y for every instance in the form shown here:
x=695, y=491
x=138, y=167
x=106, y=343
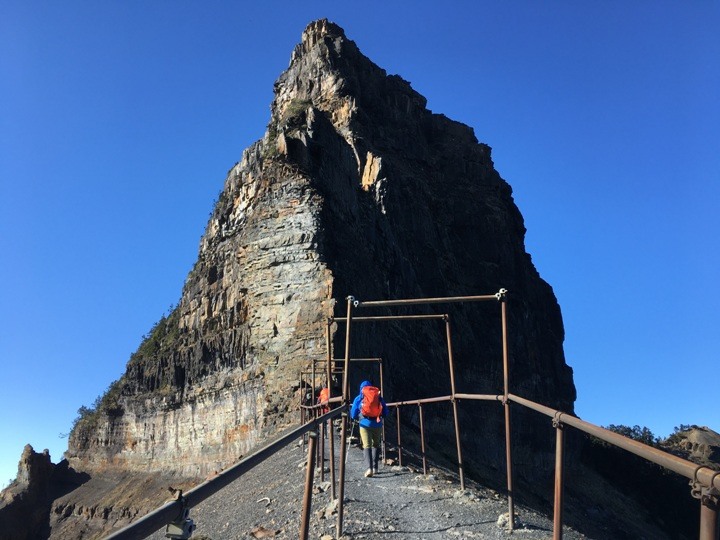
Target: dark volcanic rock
x=24, y=504
x=355, y=189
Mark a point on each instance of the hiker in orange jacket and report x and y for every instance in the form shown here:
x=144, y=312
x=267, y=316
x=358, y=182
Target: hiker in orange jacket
x=370, y=407
x=322, y=399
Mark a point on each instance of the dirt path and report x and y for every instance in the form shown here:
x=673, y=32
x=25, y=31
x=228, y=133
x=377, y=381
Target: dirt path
x=400, y=502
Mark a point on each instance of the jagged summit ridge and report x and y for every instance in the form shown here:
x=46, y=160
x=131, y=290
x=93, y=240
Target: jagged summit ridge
x=328, y=68
x=374, y=113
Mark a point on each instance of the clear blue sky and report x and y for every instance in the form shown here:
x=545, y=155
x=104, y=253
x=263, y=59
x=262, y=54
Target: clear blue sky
x=119, y=120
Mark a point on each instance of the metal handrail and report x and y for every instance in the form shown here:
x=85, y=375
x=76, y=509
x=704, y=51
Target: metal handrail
x=705, y=476
x=419, y=401
x=702, y=478
x=705, y=481
x=158, y=518
x=421, y=301
x=322, y=404
x=379, y=318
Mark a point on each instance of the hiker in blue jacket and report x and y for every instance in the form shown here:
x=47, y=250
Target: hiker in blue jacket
x=370, y=407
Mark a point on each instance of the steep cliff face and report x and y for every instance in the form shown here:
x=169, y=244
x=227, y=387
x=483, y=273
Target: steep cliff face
x=356, y=188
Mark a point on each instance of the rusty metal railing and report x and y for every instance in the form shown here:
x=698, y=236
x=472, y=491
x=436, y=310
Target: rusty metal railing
x=705, y=482
x=352, y=303
x=348, y=320
x=169, y=512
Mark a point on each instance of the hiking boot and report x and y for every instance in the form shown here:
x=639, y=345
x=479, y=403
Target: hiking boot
x=368, y=473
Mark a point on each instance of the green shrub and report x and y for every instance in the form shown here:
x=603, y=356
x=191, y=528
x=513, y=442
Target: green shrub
x=637, y=433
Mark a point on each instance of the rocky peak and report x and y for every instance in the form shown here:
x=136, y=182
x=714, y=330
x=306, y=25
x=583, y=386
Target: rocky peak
x=328, y=72
x=23, y=503
x=34, y=469
x=356, y=188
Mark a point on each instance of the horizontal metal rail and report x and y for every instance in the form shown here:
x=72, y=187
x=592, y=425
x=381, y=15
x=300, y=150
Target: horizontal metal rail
x=480, y=397
x=420, y=401
x=420, y=301
x=337, y=399
x=477, y=397
x=324, y=361
x=704, y=475
x=707, y=477
x=160, y=517
x=390, y=318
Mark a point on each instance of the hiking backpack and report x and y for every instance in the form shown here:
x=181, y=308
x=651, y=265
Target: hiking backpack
x=371, y=406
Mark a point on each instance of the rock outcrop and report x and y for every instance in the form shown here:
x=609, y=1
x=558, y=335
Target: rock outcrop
x=355, y=189
x=25, y=504
x=695, y=443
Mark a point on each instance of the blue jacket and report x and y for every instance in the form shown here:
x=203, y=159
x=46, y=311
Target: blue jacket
x=355, y=409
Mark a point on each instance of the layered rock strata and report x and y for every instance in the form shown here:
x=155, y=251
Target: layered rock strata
x=355, y=189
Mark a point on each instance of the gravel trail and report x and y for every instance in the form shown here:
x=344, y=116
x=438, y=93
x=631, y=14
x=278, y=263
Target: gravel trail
x=397, y=503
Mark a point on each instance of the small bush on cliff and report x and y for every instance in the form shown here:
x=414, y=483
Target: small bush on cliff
x=675, y=437
x=83, y=414
x=637, y=433
x=162, y=336
x=107, y=402
x=295, y=110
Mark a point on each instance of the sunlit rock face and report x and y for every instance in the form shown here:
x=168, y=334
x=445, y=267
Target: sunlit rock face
x=355, y=189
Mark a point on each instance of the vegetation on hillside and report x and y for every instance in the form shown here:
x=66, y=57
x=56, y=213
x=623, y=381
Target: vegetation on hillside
x=637, y=433
x=161, y=338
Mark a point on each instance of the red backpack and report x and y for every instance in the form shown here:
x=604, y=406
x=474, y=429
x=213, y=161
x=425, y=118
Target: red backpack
x=371, y=406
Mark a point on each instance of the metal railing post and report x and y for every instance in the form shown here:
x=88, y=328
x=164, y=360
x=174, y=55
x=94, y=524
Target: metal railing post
x=506, y=405
x=301, y=403
x=382, y=393
x=343, y=437
x=341, y=478
x=322, y=428
x=708, y=519
x=399, y=440
x=307, y=496
x=331, y=435
x=558, y=502
x=454, y=402
x=312, y=391
x=422, y=439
